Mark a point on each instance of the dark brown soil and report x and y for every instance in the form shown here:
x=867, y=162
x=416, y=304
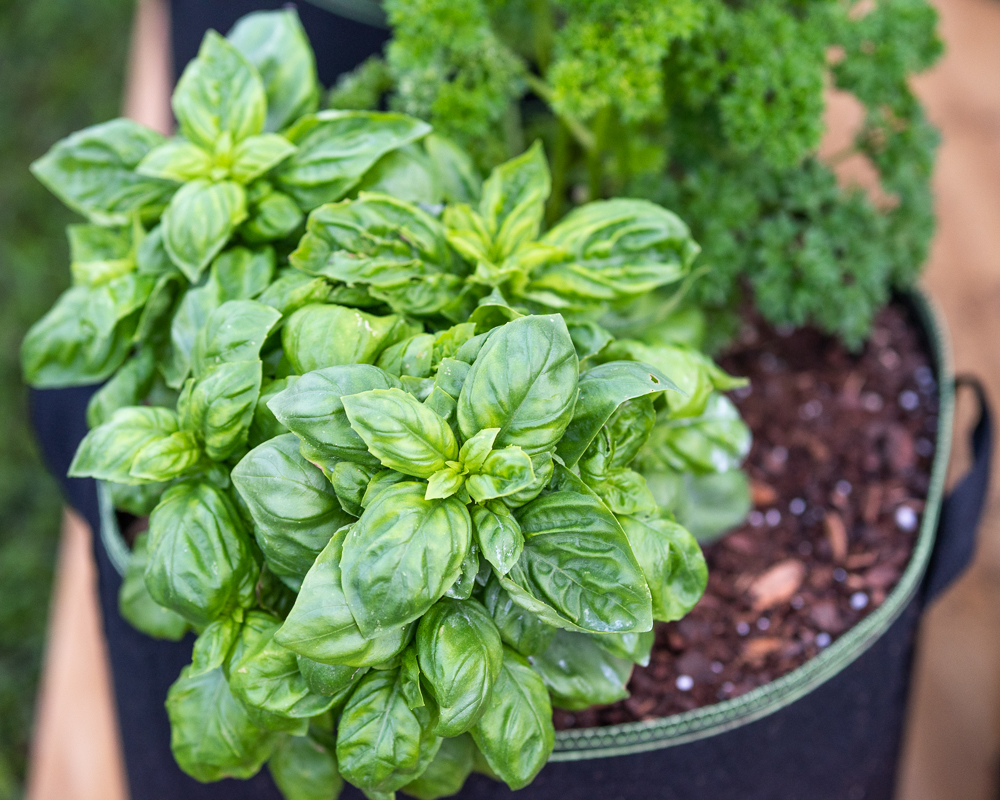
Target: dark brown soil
x=840, y=467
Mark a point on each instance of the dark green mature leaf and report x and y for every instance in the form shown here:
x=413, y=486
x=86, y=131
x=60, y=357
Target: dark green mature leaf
x=519, y=628
x=313, y=410
x=294, y=508
x=624, y=491
x=234, y=332
x=271, y=218
x=292, y=290
x=401, y=432
x=242, y=274
x=129, y=385
x=446, y=774
x=402, y=556
x=634, y=647
x=716, y=441
x=524, y=382
x=303, y=769
x=411, y=356
x=265, y=425
x=460, y=657
x=378, y=736
x=137, y=606
x=498, y=534
x=211, y=734
x=86, y=335
x=336, y=148
x=350, y=482
x=276, y=44
x=579, y=673
x=577, y=562
x=515, y=732
x=108, y=451
x=513, y=201
x=672, y=562
x=603, y=389
x=335, y=680
x=199, y=221
x=93, y=171
x=321, y=627
x=201, y=562
x=219, y=406
x=319, y=336
x=219, y=93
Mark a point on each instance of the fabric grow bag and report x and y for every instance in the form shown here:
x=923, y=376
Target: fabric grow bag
x=829, y=729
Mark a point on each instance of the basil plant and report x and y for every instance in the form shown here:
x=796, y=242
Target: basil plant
x=416, y=468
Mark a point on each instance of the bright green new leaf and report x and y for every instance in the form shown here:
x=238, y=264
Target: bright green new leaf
x=99, y=254
x=199, y=221
x=513, y=201
x=503, y=473
x=108, y=451
x=167, y=458
x=255, y=155
x=176, y=160
x=474, y=452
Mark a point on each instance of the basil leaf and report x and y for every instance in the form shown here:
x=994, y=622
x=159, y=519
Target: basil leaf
x=602, y=390
x=580, y=674
x=706, y=505
x=135, y=604
x=463, y=587
x=167, y=458
x=446, y=774
x=634, y=647
x=625, y=492
x=577, y=561
x=350, y=482
x=402, y=555
x=127, y=387
x=220, y=405
x=276, y=44
x=215, y=644
x=336, y=148
x=335, y=680
x=515, y=732
x=543, y=466
x=312, y=409
x=233, y=332
x=672, y=562
x=519, y=628
x=190, y=317
x=176, y=160
x=459, y=179
x=513, y=201
x=460, y=657
x=378, y=736
x=303, y=769
x=402, y=433
x=589, y=339
x=271, y=218
x=292, y=290
x=201, y=562
x=294, y=508
x=199, y=221
x=93, y=171
x=503, y=473
x=242, y=274
x=498, y=534
x=151, y=256
x=523, y=382
x=406, y=174
x=319, y=336
x=444, y=483
x=162, y=302
x=219, y=92
x=211, y=734
x=409, y=357
x=108, y=451
x=139, y=499
x=99, y=254
x=255, y=155
x=321, y=627
x=475, y=451
x=265, y=425
x=629, y=429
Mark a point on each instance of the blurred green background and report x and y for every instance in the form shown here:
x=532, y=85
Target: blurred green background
x=62, y=65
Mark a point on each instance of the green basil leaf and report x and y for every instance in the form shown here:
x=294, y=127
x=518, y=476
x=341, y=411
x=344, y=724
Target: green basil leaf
x=108, y=451
x=542, y=465
x=462, y=588
x=475, y=451
x=151, y=256
x=319, y=336
x=625, y=492
x=135, y=604
x=271, y=219
x=498, y=534
x=460, y=657
x=215, y=644
x=233, y=332
x=409, y=357
x=219, y=92
x=304, y=770
x=93, y=171
x=242, y=274
x=139, y=499
x=580, y=674
x=292, y=290
x=277, y=45
x=255, y=155
x=265, y=425
x=127, y=387
x=519, y=628
x=406, y=174
x=378, y=736
x=524, y=382
x=515, y=732
x=220, y=407
x=446, y=774
x=503, y=473
x=621, y=248
x=321, y=627
x=513, y=201
x=672, y=562
x=707, y=505
x=449, y=341
x=176, y=160
x=201, y=561
x=199, y=221
x=211, y=734
x=634, y=647
x=409, y=676
x=402, y=555
x=294, y=508
x=589, y=339
x=167, y=458
x=444, y=483
x=336, y=148
x=460, y=181
x=401, y=432
x=629, y=429
x=422, y=296
x=350, y=482
x=190, y=317
x=99, y=254
x=312, y=409
x=335, y=680
x=163, y=301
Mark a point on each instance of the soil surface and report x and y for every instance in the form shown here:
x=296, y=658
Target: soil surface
x=840, y=467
